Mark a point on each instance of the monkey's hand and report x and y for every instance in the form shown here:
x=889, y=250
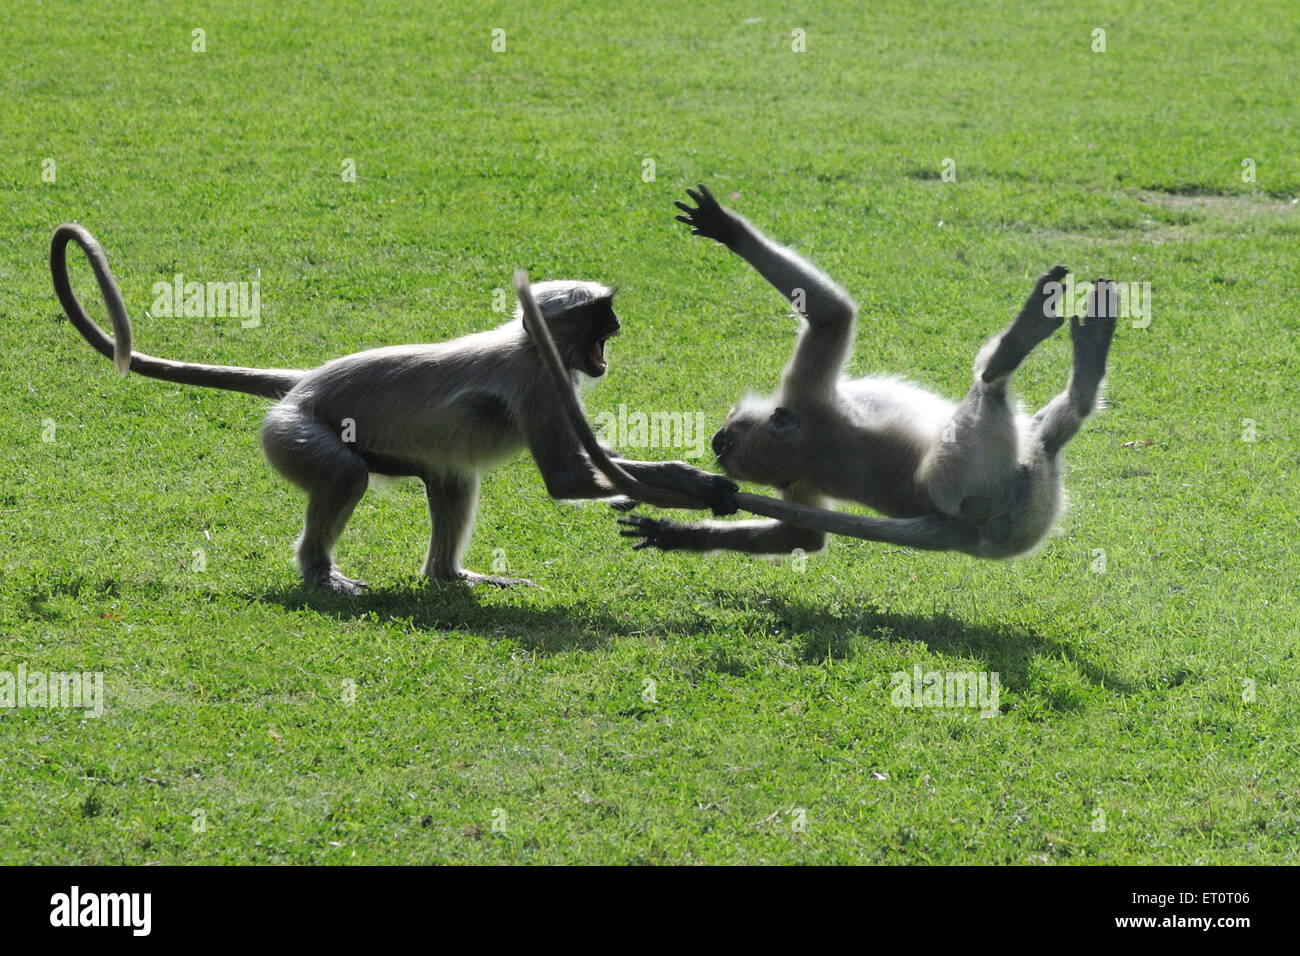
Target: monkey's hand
x=709, y=219
x=654, y=533
x=716, y=491
x=719, y=494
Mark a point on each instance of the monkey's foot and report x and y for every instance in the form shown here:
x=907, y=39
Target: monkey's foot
x=1034, y=324
x=472, y=578
x=1092, y=337
x=334, y=580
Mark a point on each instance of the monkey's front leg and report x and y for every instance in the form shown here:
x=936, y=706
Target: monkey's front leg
x=571, y=475
x=453, y=502
x=749, y=537
x=813, y=293
x=716, y=491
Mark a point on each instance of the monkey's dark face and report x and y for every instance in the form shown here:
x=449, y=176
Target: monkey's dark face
x=582, y=333
x=760, y=442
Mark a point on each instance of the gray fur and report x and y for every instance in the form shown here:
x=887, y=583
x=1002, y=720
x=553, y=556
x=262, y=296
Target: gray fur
x=444, y=413
x=976, y=476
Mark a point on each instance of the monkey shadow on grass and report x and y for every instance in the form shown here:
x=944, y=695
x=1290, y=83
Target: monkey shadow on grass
x=451, y=608
x=829, y=633
x=819, y=632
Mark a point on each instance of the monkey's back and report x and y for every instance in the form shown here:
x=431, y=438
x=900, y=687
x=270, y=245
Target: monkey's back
x=423, y=408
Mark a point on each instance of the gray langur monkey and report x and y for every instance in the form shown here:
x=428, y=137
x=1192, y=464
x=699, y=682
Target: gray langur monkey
x=977, y=477
x=444, y=413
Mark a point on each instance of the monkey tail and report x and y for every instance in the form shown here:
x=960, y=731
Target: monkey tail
x=268, y=383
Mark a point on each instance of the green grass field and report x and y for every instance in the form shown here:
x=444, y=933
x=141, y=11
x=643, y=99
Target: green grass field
x=1147, y=710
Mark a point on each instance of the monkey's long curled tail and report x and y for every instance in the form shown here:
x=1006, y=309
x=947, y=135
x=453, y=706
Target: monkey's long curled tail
x=267, y=382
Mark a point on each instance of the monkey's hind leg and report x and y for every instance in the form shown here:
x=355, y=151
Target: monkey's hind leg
x=973, y=459
x=1003, y=355
x=970, y=470
x=1061, y=418
x=453, y=502
x=308, y=452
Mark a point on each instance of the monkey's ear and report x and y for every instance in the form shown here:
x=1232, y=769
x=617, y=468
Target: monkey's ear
x=784, y=421
x=558, y=328
x=528, y=324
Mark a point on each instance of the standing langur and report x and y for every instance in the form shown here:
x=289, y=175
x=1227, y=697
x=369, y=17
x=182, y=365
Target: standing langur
x=443, y=413
x=977, y=477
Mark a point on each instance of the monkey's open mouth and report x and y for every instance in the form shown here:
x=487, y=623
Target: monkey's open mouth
x=597, y=353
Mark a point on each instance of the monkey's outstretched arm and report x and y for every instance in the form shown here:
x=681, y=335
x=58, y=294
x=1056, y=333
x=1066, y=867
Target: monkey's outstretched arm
x=568, y=474
x=813, y=293
x=268, y=382
x=760, y=536
x=934, y=532
x=830, y=313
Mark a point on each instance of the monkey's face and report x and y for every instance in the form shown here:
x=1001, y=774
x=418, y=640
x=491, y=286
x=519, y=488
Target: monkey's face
x=760, y=442
x=582, y=332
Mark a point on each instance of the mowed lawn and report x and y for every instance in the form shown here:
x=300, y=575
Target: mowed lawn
x=646, y=707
